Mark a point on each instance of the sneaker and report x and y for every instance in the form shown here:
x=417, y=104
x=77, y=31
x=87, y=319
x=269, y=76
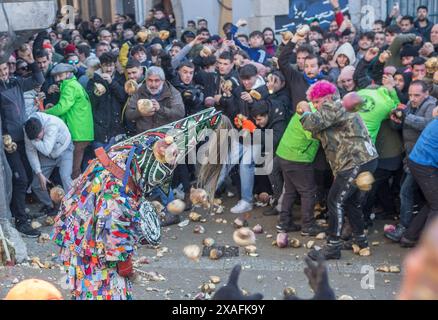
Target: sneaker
x=328, y=252
x=397, y=234
x=241, y=207
x=407, y=243
x=312, y=231
x=281, y=228
x=27, y=230
x=272, y=211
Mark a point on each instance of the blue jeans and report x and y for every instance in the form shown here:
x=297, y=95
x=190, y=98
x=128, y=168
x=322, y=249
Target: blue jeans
x=244, y=156
x=408, y=188
x=165, y=199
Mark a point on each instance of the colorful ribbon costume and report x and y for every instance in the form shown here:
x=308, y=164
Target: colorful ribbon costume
x=101, y=218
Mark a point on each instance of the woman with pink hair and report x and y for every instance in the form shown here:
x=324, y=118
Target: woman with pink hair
x=350, y=151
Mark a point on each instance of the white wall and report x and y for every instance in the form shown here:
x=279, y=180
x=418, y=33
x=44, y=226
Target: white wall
x=196, y=9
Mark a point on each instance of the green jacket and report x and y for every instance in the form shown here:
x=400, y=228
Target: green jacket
x=75, y=109
x=395, y=49
x=378, y=105
x=297, y=144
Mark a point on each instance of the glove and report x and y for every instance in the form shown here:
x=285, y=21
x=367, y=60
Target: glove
x=125, y=268
x=238, y=121
x=316, y=273
x=231, y=290
x=249, y=126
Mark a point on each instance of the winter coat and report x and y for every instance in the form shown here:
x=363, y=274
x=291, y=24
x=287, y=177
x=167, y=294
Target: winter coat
x=192, y=95
x=395, y=49
x=295, y=81
x=276, y=123
x=347, y=50
x=12, y=105
x=343, y=136
x=107, y=109
x=416, y=121
x=171, y=108
x=56, y=140
x=425, y=152
x=74, y=108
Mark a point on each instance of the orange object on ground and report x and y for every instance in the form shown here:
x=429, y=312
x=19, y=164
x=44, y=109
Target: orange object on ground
x=34, y=289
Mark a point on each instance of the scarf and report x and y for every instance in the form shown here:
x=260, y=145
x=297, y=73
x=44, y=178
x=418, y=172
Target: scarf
x=311, y=81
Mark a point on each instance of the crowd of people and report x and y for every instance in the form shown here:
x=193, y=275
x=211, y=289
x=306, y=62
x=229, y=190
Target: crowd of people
x=339, y=102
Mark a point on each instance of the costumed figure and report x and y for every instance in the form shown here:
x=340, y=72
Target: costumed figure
x=106, y=212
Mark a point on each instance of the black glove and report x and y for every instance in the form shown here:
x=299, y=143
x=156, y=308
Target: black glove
x=316, y=272
x=231, y=290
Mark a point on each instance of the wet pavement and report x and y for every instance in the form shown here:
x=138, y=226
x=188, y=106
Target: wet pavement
x=173, y=276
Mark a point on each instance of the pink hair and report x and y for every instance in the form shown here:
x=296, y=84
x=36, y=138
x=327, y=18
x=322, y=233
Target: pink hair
x=320, y=89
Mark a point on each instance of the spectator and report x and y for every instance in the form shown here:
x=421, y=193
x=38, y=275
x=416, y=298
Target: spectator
x=48, y=146
x=167, y=102
x=422, y=23
x=13, y=117
x=75, y=109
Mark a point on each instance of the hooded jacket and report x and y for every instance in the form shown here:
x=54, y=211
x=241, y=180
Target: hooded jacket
x=347, y=50
x=75, y=109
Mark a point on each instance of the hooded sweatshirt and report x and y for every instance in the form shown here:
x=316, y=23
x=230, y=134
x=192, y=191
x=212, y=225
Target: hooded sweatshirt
x=347, y=50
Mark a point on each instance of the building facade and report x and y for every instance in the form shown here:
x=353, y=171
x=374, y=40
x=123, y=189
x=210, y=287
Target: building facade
x=259, y=13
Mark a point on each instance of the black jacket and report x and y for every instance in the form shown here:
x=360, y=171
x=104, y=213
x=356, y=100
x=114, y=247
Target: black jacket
x=277, y=123
x=192, y=95
x=295, y=81
x=12, y=108
x=282, y=99
x=107, y=109
x=228, y=104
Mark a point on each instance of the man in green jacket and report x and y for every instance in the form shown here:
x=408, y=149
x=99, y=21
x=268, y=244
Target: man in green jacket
x=296, y=152
x=373, y=105
x=75, y=109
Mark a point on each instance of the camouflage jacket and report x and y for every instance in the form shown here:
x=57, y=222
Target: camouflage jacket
x=343, y=135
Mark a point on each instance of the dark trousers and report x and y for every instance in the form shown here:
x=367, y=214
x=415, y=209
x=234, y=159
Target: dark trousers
x=276, y=179
x=382, y=187
x=427, y=179
x=21, y=175
x=298, y=177
x=182, y=175
x=345, y=199
x=78, y=156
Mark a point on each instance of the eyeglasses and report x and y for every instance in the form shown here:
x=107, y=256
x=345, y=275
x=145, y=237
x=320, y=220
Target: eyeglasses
x=73, y=62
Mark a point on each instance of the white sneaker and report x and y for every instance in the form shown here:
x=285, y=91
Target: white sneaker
x=241, y=207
